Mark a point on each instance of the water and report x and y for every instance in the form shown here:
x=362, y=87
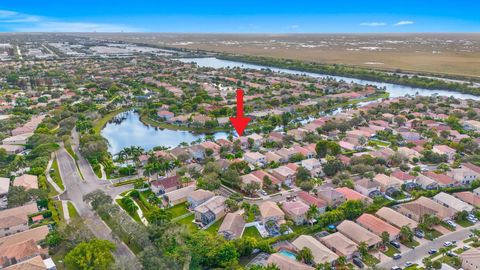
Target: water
x=394, y=90
x=126, y=130
x=288, y=254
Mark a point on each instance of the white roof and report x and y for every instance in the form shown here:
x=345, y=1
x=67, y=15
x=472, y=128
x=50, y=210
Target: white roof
x=4, y=185
x=452, y=202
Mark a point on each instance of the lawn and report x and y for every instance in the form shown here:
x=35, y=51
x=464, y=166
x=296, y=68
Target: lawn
x=187, y=221
x=391, y=250
x=370, y=260
x=414, y=267
x=72, y=210
x=464, y=223
x=128, y=182
x=213, y=229
x=252, y=232
x=410, y=244
x=448, y=227
x=56, y=175
x=134, y=215
x=430, y=235
x=178, y=210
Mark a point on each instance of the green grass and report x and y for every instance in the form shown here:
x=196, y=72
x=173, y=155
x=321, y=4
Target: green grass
x=414, y=267
x=252, y=232
x=446, y=226
x=410, y=244
x=56, y=174
x=104, y=120
x=433, y=234
x=72, y=210
x=128, y=182
x=213, y=229
x=391, y=250
x=370, y=260
x=464, y=223
x=134, y=215
x=187, y=221
x=178, y=210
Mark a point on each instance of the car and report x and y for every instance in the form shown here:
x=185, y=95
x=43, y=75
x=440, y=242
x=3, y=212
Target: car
x=466, y=247
x=451, y=254
x=395, y=244
x=396, y=268
x=472, y=219
x=447, y=244
x=419, y=234
x=432, y=251
x=408, y=264
x=397, y=256
x=451, y=223
x=358, y=262
x=471, y=235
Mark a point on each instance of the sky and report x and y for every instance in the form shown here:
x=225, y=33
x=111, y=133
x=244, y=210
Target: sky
x=245, y=16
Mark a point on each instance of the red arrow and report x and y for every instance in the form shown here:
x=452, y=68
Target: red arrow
x=240, y=122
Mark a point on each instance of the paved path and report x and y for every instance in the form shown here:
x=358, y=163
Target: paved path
x=76, y=189
x=421, y=251
x=49, y=178
x=66, y=214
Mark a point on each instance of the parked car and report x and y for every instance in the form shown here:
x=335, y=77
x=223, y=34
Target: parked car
x=466, y=247
x=397, y=256
x=395, y=244
x=451, y=254
x=451, y=223
x=472, y=219
x=408, y=264
x=432, y=251
x=419, y=234
x=447, y=244
x=358, y=262
x=396, y=268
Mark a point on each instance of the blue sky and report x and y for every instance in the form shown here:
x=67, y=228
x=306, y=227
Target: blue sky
x=261, y=16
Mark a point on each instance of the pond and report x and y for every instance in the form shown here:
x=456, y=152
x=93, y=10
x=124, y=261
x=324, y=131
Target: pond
x=126, y=130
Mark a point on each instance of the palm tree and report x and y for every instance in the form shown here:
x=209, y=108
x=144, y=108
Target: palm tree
x=341, y=261
x=385, y=238
x=406, y=233
x=363, y=249
x=312, y=212
x=305, y=255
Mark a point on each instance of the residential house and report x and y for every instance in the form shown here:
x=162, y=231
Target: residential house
x=450, y=201
x=260, y=174
x=340, y=244
x=198, y=197
x=358, y=234
x=34, y=263
x=27, y=181
x=285, y=263
x=308, y=154
x=272, y=157
x=249, y=179
x=463, y=175
x=395, y=218
x=166, y=115
x=197, y=152
x=275, y=137
x=402, y=176
x=417, y=209
x=17, y=139
x=426, y=182
x=470, y=259
x=471, y=125
x=314, y=166
x=12, y=149
x=296, y=211
x=19, y=252
x=255, y=158
x=352, y=195
x=387, y=182
x=269, y=211
x=309, y=199
x=321, y=254
x=180, y=195
x=378, y=226
x=256, y=139
x=4, y=186
x=37, y=234
x=284, y=174
x=211, y=210
x=15, y=220
x=164, y=185
x=332, y=197
x=445, y=150
x=468, y=197
x=442, y=180
x=232, y=226
x=367, y=187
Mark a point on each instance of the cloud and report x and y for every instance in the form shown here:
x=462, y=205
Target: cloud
x=293, y=26
x=373, y=24
x=404, y=23
x=20, y=22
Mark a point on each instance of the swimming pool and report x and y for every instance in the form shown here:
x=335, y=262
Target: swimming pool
x=288, y=254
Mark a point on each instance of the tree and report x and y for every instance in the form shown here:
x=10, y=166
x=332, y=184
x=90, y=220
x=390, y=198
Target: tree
x=302, y=174
x=385, y=238
x=406, y=234
x=92, y=255
x=158, y=216
x=332, y=167
x=363, y=249
x=305, y=255
x=252, y=187
x=312, y=212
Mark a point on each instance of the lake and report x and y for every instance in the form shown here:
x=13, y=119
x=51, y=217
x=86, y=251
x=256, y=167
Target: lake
x=126, y=130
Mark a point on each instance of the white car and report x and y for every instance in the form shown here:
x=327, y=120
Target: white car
x=447, y=244
x=451, y=223
x=408, y=264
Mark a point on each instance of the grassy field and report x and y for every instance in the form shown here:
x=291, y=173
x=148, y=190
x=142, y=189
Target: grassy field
x=72, y=210
x=213, y=229
x=391, y=250
x=188, y=223
x=104, y=120
x=252, y=232
x=178, y=210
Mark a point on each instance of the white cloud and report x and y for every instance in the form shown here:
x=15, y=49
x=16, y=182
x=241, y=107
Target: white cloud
x=373, y=24
x=21, y=22
x=293, y=26
x=404, y=23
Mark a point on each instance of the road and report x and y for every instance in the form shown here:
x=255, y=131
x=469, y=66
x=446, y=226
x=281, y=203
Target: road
x=421, y=251
x=76, y=188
